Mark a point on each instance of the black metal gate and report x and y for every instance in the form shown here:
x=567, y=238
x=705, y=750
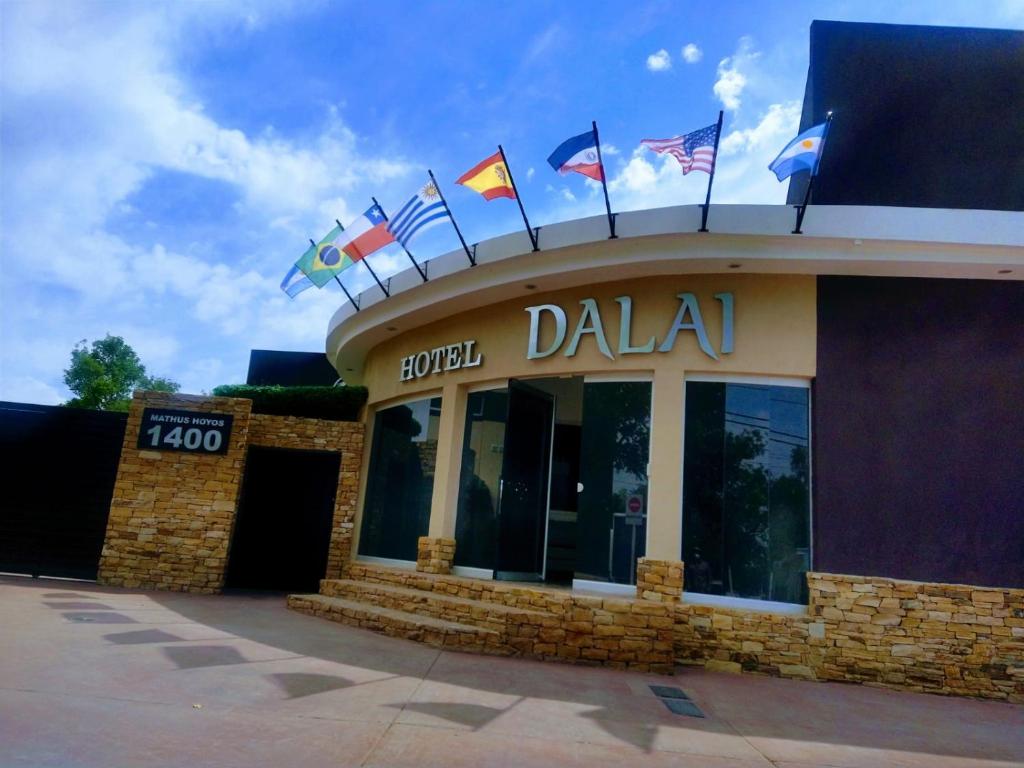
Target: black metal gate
x=59, y=467
x=285, y=512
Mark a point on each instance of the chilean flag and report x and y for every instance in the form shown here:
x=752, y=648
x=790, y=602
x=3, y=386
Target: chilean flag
x=365, y=235
x=578, y=154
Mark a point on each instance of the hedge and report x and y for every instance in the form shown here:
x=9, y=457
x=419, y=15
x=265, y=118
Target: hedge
x=332, y=403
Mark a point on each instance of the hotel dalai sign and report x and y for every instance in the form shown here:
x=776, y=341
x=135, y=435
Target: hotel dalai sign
x=688, y=317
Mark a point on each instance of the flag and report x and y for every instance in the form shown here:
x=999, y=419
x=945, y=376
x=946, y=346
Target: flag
x=322, y=261
x=695, y=151
x=424, y=210
x=801, y=154
x=295, y=282
x=366, y=234
x=578, y=154
x=489, y=177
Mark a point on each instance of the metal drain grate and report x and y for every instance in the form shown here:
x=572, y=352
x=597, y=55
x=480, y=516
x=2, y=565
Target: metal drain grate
x=668, y=692
x=676, y=700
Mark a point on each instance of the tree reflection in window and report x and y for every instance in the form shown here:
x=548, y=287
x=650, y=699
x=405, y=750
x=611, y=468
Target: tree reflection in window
x=746, y=503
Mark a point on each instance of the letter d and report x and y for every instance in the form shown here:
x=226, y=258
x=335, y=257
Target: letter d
x=532, y=353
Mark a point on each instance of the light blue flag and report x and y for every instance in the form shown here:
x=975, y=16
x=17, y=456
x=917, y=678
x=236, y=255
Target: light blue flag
x=295, y=282
x=801, y=154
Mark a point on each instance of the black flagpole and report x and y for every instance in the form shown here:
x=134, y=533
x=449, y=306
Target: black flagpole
x=472, y=261
x=367, y=265
x=347, y=294
x=338, y=279
x=604, y=186
x=711, y=178
x=526, y=221
x=814, y=172
x=422, y=273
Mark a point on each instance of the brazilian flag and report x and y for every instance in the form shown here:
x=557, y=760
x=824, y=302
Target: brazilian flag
x=324, y=260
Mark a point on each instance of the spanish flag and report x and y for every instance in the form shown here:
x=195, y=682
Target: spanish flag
x=490, y=178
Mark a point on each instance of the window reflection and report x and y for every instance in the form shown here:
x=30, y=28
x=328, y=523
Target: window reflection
x=611, y=534
x=746, y=502
x=482, y=452
x=396, y=511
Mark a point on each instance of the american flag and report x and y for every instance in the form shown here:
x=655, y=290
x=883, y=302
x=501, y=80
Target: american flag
x=694, y=151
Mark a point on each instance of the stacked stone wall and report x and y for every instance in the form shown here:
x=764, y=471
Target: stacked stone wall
x=173, y=512
x=345, y=437
x=937, y=638
x=434, y=555
x=940, y=638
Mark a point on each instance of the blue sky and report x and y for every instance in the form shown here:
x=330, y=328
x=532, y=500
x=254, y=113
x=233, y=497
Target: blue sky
x=164, y=164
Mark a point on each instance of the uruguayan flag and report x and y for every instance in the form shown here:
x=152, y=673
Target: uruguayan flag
x=801, y=154
x=423, y=211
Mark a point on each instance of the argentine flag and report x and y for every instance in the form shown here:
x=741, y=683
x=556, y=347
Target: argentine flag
x=801, y=154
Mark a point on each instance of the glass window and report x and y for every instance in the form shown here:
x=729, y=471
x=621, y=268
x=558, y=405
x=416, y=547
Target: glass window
x=746, y=493
x=482, y=451
x=396, y=511
x=611, y=532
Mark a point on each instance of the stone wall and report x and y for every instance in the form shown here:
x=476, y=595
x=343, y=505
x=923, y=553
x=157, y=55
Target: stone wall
x=173, y=513
x=660, y=580
x=937, y=638
x=434, y=555
x=940, y=638
x=317, y=435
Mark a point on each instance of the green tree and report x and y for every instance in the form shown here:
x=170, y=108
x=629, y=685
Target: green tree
x=104, y=375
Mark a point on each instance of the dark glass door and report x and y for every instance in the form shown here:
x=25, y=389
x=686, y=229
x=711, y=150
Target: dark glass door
x=523, y=494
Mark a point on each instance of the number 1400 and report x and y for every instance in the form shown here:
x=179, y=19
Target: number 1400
x=190, y=438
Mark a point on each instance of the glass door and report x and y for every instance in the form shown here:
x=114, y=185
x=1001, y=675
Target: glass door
x=523, y=490
x=611, y=530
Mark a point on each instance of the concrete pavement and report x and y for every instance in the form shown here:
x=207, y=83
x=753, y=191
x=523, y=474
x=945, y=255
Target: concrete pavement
x=102, y=677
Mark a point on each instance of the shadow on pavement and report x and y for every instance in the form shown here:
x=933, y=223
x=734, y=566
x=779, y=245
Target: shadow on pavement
x=620, y=703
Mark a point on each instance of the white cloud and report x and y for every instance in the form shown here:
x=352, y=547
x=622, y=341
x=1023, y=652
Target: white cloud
x=659, y=61
x=95, y=104
x=741, y=175
x=692, y=53
x=28, y=389
x=529, y=173
x=734, y=74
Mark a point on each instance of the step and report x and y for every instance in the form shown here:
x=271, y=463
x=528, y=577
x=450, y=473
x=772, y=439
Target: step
x=450, y=635
x=524, y=596
x=481, y=613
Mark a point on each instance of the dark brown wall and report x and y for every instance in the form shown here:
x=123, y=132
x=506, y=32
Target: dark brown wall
x=924, y=116
x=919, y=429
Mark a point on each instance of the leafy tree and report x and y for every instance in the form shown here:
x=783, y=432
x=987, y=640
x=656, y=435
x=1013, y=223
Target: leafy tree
x=104, y=376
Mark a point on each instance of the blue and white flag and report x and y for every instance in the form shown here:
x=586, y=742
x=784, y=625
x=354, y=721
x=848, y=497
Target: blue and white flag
x=424, y=210
x=801, y=154
x=295, y=282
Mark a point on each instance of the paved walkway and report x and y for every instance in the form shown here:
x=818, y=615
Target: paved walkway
x=109, y=678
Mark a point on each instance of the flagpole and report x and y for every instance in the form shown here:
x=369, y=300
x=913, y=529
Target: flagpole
x=711, y=178
x=814, y=172
x=512, y=181
x=472, y=261
x=337, y=279
x=352, y=301
x=604, y=185
x=422, y=273
x=367, y=265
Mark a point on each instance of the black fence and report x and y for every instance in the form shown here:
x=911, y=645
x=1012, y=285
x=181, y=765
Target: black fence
x=59, y=466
